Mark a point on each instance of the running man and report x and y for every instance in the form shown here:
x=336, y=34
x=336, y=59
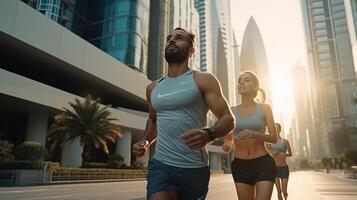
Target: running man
x=178, y=106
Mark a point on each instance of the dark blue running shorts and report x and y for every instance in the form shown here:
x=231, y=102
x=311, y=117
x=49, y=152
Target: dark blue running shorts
x=191, y=183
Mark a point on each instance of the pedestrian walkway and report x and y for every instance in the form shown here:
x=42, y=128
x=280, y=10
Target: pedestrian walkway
x=311, y=185
x=303, y=185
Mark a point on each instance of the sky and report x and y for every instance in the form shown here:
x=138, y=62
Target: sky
x=281, y=26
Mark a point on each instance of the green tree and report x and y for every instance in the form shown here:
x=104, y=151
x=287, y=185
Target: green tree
x=351, y=157
x=326, y=163
x=88, y=121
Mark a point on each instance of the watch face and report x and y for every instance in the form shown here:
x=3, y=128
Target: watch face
x=212, y=134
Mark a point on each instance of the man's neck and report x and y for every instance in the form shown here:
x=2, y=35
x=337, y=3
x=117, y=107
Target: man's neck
x=176, y=69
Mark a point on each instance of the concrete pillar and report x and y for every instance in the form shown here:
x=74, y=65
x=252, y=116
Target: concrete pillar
x=123, y=147
x=143, y=159
x=215, y=161
x=72, y=154
x=36, y=129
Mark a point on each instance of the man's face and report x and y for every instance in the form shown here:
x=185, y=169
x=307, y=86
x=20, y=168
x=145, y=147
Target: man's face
x=178, y=47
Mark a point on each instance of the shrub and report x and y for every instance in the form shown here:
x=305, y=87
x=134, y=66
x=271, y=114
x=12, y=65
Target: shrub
x=31, y=151
x=6, y=151
x=305, y=164
x=116, y=160
x=326, y=162
x=97, y=165
x=28, y=165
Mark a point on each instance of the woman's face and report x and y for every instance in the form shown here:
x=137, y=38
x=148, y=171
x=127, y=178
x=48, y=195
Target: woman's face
x=246, y=84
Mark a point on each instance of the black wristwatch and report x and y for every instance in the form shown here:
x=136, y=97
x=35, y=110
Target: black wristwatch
x=212, y=135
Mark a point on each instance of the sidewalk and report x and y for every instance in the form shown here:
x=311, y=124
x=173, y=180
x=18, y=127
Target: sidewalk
x=316, y=185
x=299, y=188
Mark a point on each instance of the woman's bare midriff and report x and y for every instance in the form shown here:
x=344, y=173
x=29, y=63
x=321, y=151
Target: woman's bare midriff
x=249, y=149
x=280, y=159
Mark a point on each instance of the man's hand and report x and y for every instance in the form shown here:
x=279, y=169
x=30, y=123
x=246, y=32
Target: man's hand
x=246, y=134
x=140, y=148
x=195, y=138
x=227, y=146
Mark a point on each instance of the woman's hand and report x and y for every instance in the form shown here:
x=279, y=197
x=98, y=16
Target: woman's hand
x=246, y=134
x=227, y=146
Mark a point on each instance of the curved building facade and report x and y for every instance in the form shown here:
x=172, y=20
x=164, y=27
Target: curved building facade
x=44, y=66
x=120, y=28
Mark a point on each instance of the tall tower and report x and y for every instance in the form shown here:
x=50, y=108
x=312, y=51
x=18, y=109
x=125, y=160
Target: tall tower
x=184, y=14
x=307, y=148
x=158, y=32
x=237, y=68
x=253, y=56
x=206, y=55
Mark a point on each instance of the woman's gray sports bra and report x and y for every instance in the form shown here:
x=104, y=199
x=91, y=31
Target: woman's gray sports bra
x=254, y=122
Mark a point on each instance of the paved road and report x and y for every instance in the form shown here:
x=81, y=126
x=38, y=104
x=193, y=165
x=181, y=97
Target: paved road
x=304, y=185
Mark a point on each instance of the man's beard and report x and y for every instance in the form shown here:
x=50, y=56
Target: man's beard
x=176, y=57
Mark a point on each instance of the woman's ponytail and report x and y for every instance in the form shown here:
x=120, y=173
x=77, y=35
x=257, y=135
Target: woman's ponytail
x=263, y=95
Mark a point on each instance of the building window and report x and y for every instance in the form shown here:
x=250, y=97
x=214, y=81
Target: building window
x=354, y=13
x=50, y=8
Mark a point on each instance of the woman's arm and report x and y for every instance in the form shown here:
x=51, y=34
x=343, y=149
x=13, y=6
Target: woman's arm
x=288, y=148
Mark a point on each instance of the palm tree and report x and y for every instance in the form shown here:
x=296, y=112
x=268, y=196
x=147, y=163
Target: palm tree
x=87, y=120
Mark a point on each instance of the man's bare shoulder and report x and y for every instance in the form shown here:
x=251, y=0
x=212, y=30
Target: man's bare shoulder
x=205, y=78
x=151, y=85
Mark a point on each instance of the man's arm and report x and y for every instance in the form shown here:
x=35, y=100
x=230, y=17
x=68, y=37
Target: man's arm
x=212, y=93
x=150, y=132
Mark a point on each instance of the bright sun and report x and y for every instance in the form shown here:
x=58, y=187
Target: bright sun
x=282, y=92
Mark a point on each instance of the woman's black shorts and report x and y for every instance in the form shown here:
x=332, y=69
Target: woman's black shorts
x=283, y=172
x=254, y=170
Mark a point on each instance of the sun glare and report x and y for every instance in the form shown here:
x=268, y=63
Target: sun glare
x=282, y=97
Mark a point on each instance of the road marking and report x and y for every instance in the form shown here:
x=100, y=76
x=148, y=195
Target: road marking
x=49, y=197
x=22, y=191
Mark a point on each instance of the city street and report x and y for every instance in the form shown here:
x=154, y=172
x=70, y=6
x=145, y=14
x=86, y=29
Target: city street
x=306, y=185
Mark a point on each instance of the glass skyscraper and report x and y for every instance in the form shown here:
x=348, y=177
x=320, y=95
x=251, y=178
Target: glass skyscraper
x=50, y=8
x=118, y=27
x=206, y=55
x=333, y=68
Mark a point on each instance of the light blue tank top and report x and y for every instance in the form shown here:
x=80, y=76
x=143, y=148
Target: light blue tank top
x=279, y=147
x=254, y=122
x=179, y=107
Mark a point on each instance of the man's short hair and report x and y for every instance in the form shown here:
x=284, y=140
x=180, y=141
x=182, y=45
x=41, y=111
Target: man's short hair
x=189, y=33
